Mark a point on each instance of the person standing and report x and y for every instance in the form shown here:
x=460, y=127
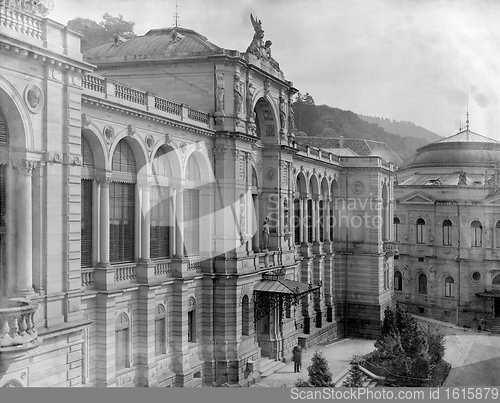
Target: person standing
x=297, y=358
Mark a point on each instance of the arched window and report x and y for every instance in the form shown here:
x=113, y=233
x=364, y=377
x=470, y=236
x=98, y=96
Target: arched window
x=477, y=234
x=396, y=223
x=398, y=281
x=86, y=204
x=420, y=230
x=160, y=330
x=192, y=320
x=309, y=221
x=448, y=286
x=321, y=219
x=497, y=234
x=160, y=202
x=122, y=342
x=422, y=284
x=447, y=232
x=245, y=316
x=122, y=205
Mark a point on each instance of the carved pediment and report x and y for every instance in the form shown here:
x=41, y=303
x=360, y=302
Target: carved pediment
x=417, y=197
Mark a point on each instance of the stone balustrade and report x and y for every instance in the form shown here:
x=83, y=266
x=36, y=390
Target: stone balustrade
x=17, y=325
x=110, y=89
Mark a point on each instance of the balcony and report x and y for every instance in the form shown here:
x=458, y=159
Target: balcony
x=18, y=332
x=390, y=248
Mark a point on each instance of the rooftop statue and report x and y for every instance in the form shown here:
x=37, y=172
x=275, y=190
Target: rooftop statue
x=259, y=48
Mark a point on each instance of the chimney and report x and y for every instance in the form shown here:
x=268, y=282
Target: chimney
x=341, y=142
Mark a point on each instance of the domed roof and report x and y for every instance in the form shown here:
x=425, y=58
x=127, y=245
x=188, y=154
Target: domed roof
x=465, y=148
x=157, y=44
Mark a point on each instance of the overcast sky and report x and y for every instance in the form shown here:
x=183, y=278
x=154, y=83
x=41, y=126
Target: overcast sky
x=400, y=59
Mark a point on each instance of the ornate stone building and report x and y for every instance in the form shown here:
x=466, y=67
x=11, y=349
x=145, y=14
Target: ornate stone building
x=447, y=227
x=159, y=224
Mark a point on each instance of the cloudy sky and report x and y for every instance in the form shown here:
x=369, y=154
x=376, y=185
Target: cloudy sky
x=400, y=59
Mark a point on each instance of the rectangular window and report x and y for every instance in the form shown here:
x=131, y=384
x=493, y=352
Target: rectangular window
x=160, y=336
x=86, y=223
x=121, y=354
x=160, y=222
x=191, y=326
x=448, y=289
x=420, y=233
x=296, y=220
x=191, y=222
x=122, y=222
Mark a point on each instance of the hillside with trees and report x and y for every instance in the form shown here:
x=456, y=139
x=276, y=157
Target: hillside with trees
x=329, y=122
x=403, y=128
x=96, y=33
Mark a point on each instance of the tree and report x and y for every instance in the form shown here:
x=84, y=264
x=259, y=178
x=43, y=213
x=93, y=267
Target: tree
x=406, y=351
x=319, y=373
x=355, y=378
x=95, y=34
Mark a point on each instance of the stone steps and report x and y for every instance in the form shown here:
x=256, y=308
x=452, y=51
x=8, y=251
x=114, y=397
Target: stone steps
x=268, y=366
x=367, y=381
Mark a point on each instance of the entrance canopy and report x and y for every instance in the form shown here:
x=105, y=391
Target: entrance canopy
x=285, y=287
x=274, y=291
x=489, y=294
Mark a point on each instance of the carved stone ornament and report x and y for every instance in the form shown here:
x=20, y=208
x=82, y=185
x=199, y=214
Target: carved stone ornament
x=86, y=120
x=168, y=138
x=109, y=133
x=130, y=130
x=25, y=167
x=34, y=98
x=358, y=187
x=150, y=142
x=270, y=173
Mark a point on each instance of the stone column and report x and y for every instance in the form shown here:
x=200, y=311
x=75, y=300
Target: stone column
x=24, y=278
x=145, y=220
x=179, y=228
x=104, y=220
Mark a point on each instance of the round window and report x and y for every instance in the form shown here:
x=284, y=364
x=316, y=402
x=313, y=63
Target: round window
x=476, y=276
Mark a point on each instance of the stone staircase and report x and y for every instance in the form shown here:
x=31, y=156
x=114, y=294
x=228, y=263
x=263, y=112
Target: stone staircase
x=268, y=366
x=494, y=325
x=369, y=380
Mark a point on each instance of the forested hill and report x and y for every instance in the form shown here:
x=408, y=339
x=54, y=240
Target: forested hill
x=326, y=121
x=403, y=128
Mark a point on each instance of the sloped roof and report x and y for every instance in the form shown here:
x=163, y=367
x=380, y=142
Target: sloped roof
x=467, y=136
x=157, y=44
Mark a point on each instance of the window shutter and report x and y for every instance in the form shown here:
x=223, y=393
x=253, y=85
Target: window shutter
x=122, y=222
x=86, y=223
x=4, y=136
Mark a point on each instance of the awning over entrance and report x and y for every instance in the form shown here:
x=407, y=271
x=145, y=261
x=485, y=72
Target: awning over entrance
x=285, y=287
x=489, y=294
x=274, y=291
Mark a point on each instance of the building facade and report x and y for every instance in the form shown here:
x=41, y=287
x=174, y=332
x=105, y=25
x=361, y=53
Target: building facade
x=161, y=226
x=446, y=227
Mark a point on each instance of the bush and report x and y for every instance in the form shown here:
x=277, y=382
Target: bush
x=355, y=378
x=319, y=373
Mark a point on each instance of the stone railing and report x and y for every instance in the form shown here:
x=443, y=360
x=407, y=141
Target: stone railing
x=94, y=83
x=131, y=94
x=125, y=272
x=144, y=100
x=163, y=268
x=194, y=265
x=165, y=105
x=87, y=275
x=24, y=23
x=17, y=325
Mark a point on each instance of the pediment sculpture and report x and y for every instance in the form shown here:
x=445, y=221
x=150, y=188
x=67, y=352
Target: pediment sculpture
x=259, y=48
